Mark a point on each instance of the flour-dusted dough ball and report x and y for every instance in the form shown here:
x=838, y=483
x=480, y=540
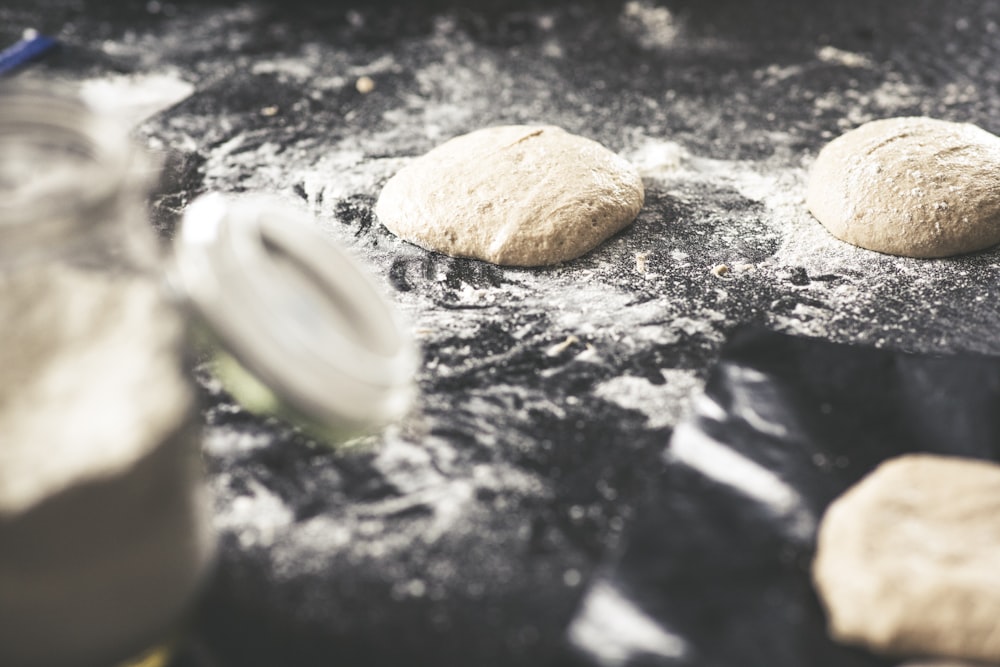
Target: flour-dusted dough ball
x=908, y=561
x=916, y=187
x=516, y=195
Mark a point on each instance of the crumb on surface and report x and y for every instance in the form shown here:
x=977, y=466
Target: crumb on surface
x=720, y=270
x=364, y=85
x=640, y=262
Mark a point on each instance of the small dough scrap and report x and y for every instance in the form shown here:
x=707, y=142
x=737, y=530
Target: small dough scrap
x=916, y=187
x=516, y=195
x=907, y=561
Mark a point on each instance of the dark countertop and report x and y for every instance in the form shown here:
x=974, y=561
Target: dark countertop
x=467, y=534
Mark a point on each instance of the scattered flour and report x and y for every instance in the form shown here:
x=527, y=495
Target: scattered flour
x=135, y=97
x=664, y=405
x=652, y=26
x=833, y=55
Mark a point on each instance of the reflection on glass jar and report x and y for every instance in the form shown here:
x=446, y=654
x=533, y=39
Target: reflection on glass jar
x=104, y=530
x=72, y=183
x=296, y=326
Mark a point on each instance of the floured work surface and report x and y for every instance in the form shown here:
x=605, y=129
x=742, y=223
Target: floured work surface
x=468, y=534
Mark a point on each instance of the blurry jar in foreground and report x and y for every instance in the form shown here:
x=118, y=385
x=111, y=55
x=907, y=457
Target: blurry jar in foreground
x=104, y=530
x=72, y=184
x=296, y=327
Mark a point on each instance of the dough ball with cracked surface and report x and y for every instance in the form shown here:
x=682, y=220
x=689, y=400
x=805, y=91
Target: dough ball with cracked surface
x=916, y=187
x=907, y=561
x=516, y=195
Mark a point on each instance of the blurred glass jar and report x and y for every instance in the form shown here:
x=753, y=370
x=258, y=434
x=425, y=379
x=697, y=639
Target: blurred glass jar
x=72, y=183
x=107, y=541
x=104, y=525
x=296, y=328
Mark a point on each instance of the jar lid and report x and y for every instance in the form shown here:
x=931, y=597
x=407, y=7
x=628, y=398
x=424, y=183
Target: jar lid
x=299, y=325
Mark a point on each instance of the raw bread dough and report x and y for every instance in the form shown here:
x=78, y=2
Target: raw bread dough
x=917, y=187
x=907, y=561
x=517, y=195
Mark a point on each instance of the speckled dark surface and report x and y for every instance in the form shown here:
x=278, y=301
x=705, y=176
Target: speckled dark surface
x=467, y=534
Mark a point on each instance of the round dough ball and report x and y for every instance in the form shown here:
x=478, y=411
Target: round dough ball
x=907, y=561
x=916, y=187
x=516, y=195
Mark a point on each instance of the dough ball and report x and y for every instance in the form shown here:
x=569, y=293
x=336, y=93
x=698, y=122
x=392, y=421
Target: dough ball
x=516, y=195
x=908, y=561
x=916, y=187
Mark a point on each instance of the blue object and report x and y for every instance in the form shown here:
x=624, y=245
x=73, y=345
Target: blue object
x=25, y=51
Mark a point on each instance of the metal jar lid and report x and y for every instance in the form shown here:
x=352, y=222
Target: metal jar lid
x=311, y=333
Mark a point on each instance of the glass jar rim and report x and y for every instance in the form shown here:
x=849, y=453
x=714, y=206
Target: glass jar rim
x=51, y=116
x=350, y=368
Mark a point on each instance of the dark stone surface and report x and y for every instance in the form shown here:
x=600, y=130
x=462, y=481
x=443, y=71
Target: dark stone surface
x=467, y=534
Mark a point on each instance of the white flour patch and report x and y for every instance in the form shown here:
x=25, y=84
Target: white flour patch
x=658, y=160
x=664, y=405
x=831, y=54
x=135, y=97
x=612, y=629
x=652, y=26
x=892, y=97
x=297, y=68
x=257, y=516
